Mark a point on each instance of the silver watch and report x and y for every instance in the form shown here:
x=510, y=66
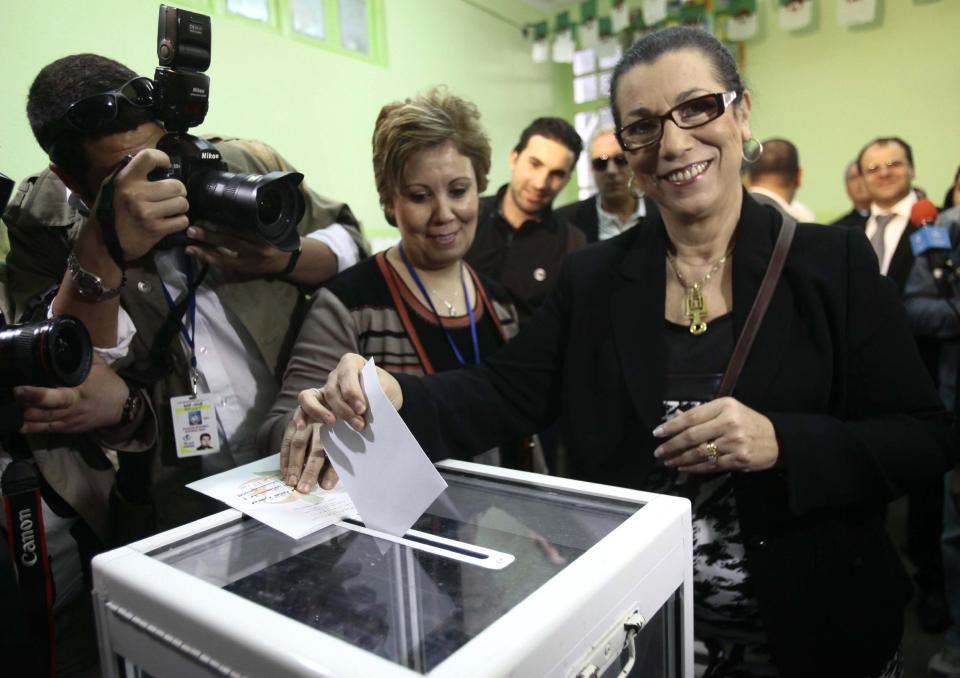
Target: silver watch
x=89, y=285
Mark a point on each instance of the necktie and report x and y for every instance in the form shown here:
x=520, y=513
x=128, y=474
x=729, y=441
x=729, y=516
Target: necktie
x=877, y=238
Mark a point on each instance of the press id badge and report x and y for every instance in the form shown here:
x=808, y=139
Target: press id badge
x=194, y=426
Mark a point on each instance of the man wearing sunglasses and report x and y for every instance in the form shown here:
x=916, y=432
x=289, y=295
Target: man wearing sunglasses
x=617, y=205
x=95, y=120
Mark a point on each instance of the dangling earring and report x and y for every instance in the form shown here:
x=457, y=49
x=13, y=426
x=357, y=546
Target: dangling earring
x=757, y=150
x=633, y=190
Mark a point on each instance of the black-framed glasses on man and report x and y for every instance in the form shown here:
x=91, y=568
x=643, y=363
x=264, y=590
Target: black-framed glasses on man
x=889, y=165
x=599, y=163
x=691, y=113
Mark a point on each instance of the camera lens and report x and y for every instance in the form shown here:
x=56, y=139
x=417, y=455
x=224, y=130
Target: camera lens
x=267, y=206
x=57, y=352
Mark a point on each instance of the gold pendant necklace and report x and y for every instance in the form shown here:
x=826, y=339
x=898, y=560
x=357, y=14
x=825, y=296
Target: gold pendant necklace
x=694, y=304
x=451, y=307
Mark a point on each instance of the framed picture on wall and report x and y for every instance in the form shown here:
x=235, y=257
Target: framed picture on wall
x=257, y=10
x=307, y=18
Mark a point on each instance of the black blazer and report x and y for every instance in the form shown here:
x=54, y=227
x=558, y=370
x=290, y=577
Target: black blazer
x=583, y=215
x=852, y=218
x=834, y=368
x=902, y=261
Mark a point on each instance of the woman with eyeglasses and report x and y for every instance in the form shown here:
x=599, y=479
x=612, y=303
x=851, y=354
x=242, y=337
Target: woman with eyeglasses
x=416, y=308
x=831, y=417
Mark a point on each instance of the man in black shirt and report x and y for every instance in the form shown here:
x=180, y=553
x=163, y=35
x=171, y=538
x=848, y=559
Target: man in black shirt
x=519, y=242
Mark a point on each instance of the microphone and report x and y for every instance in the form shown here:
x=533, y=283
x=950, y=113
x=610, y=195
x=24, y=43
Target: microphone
x=933, y=242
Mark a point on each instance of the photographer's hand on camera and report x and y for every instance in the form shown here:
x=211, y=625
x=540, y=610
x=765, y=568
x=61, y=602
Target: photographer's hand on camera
x=96, y=403
x=312, y=265
x=146, y=211
x=143, y=212
x=231, y=252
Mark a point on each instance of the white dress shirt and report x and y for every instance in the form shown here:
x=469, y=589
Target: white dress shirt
x=895, y=228
x=230, y=366
x=800, y=212
x=610, y=224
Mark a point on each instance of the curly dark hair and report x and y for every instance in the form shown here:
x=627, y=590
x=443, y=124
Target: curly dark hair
x=62, y=83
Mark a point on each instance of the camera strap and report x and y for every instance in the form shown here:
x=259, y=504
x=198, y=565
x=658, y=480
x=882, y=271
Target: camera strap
x=160, y=365
x=106, y=218
x=186, y=304
x=28, y=549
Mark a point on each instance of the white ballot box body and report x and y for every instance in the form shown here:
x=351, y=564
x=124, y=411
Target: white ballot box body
x=506, y=574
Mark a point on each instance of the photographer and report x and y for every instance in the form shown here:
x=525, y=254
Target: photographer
x=236, y=328
x=933, y=309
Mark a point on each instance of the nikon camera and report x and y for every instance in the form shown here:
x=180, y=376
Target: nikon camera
x=267, y=206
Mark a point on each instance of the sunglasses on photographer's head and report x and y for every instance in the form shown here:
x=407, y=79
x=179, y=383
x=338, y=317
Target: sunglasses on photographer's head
x=90, y=114
x=599, y=163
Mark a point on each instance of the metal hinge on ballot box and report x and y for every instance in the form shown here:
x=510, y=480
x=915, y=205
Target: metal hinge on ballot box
x=623, y=636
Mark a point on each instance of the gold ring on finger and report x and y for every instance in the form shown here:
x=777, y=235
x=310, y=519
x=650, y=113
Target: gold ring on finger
x=713, y=454
x=317, y=393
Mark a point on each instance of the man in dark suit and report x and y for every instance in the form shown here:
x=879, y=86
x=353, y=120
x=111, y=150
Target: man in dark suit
x=616, y=206
x=886, y=164
x=859, y=196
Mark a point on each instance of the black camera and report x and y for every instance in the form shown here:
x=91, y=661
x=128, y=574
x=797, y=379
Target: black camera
x=268, y=206
x=55, y=352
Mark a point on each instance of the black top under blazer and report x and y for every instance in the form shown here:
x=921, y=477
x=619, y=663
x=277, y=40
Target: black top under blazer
x=834, y=367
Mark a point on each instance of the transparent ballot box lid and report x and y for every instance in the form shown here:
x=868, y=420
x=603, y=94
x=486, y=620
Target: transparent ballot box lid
x=478, y=551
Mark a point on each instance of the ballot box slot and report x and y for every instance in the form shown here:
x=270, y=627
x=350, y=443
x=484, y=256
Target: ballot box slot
x=440, y=546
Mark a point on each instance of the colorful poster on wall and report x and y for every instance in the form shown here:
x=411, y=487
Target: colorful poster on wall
x=743, y=22
x=741, y=27
x=794, y=15
x=563, y=47
x=589, y=33
x=620, y=16
x=541, y=51
x=654, y=11
x=854, y=12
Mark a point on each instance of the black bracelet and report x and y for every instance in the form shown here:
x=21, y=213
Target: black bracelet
x=291, y=264
x=132, y=405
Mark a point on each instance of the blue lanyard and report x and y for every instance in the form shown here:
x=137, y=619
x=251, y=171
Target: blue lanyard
x=189, y=337
x=466, y=300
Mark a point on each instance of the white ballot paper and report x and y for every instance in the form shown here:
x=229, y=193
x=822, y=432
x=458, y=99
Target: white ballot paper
x=257, y=490
x=383, y=468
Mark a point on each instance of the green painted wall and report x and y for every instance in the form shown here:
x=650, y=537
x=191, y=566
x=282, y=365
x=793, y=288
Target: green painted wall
x=832, y=89
x=823, y=88
x=316, y=107
x=819, y=88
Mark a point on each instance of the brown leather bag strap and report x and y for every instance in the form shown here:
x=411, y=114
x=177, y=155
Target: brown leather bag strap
x=759, y=308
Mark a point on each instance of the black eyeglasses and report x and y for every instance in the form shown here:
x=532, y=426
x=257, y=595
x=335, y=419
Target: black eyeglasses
x=91, y=113
x=693, y=113
x=599, y=163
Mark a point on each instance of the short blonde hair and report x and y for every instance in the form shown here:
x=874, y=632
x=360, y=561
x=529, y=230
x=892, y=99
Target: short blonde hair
x=427, y=120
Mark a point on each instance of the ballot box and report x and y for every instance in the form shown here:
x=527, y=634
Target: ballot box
x=506, y=574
